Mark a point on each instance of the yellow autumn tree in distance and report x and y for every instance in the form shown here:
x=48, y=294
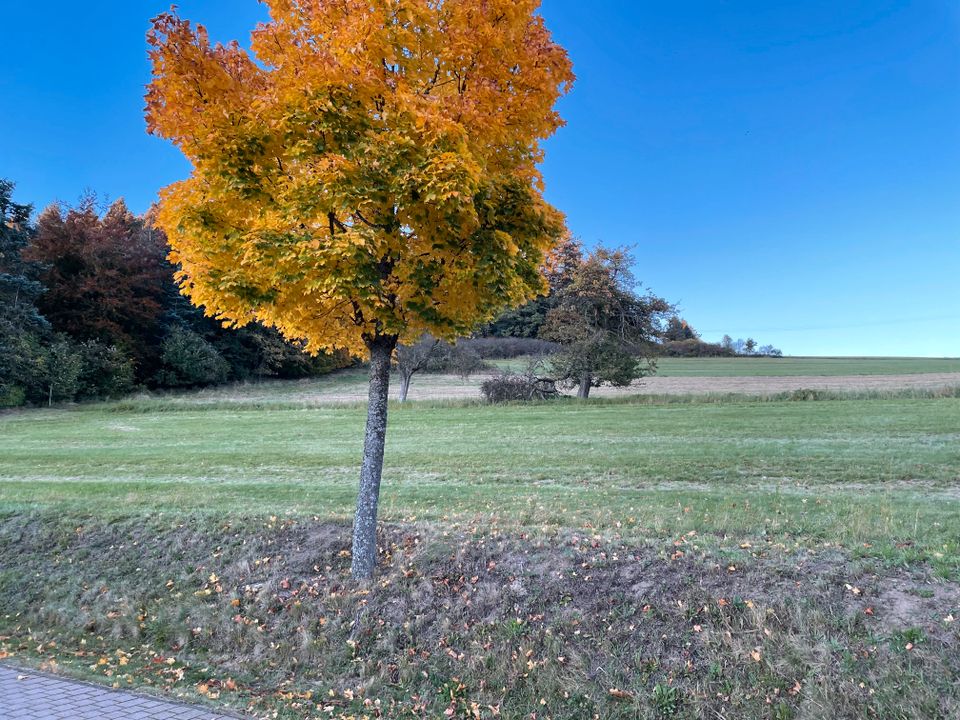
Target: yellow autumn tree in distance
x=365, y=173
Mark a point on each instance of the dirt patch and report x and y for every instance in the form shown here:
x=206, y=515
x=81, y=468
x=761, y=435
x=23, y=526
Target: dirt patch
x=904, y=603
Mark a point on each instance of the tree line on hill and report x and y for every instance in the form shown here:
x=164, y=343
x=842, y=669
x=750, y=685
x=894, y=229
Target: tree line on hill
x=679, y=339
x=605, y=329
x=595, y=326
x=665, y=333
x=90, y=310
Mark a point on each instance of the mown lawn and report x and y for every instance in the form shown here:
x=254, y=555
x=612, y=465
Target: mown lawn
x=855, y=471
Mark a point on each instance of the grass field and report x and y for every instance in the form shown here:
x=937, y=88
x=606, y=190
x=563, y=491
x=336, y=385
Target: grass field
x=794, y=366
x=560, y=465
x=789, y=366
x=645, y=558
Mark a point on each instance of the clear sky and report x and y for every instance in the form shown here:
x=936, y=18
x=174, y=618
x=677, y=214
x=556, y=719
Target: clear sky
x=784, y=170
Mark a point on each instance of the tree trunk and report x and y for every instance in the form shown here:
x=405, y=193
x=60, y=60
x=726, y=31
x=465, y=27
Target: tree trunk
x=405, y=379
x=365, y=522
x=583, y=392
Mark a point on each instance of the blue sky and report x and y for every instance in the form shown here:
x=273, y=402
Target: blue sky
x=784, y=170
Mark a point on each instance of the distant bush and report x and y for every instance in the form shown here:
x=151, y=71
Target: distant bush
x=520, y=387
x=63, y=366
x=105, y=371
x=505, y=348
x=190, y=361
x=463, y=360
x=514, y=387
x=12, y=396
x=694, y=348
x=809, y=395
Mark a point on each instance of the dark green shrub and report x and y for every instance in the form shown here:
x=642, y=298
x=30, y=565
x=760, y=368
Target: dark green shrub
x=106, y=371
x=190, y=361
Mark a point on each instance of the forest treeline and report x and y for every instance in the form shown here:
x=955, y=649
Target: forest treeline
x=90, y=310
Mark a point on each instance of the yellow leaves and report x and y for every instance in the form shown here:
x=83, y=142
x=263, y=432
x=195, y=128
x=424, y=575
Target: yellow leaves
x=343, y=185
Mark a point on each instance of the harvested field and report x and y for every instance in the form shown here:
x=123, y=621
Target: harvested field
x=349, y=386
x=772, y=385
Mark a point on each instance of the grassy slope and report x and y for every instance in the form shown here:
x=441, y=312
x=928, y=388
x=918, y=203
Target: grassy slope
x=475, y=622
x=604, y=534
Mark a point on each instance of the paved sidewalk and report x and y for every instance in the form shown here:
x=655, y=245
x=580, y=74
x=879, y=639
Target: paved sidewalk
x=25, y=695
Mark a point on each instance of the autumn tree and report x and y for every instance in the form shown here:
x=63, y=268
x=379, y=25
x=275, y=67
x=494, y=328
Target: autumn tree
x=605, y=328
x=679, y=330
x=526, y=320
x=364, y=174
x=104, y=275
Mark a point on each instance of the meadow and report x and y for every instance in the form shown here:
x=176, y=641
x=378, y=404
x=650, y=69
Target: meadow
x=702, y=556
x=794, y=366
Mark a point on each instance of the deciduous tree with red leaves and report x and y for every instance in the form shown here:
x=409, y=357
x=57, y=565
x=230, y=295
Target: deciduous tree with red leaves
x=105, y=276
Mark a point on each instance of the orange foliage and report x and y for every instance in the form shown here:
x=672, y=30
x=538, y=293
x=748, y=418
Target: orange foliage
x=368, y=169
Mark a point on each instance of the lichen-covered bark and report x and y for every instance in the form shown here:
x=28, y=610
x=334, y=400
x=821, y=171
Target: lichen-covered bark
x=365, y=521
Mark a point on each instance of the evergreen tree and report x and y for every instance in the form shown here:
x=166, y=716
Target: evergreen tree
x=22, y=327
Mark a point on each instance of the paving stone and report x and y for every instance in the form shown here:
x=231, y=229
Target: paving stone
x=43, y=697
